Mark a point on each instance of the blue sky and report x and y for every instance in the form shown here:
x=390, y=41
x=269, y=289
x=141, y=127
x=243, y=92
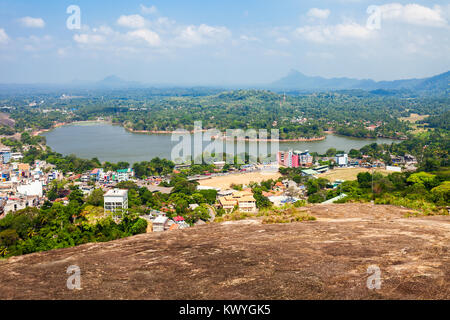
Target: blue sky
x=222, y=42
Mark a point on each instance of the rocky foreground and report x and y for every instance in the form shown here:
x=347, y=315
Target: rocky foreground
x=323, y=259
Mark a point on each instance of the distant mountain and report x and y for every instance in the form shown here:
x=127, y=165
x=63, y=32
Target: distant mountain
x=439, y=82
x=298, y=81
x=113, y=81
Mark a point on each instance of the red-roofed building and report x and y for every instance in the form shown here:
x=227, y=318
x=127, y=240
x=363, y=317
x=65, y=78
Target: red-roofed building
x=279, y=186
x=174, y=227
x=75, y=177
x=178, y=219
x=267, y=194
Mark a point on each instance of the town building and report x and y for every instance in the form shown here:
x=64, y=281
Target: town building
x=321, y=169
x=219, y=164
x=55, y=175
x=96, y=174
x=31, y=189
x=279, y=186
x=16, y=156
x=280, y=201
x=309, y=173
x=244, y=201
x=342, y=159
x=87, y=190
x=124, y=174
x=180, y=222
x=5, y=155
x=115, y=199
x=160, y=224
x=287, y=159
x=154, y=189
x=294, y=159
x=13, y=204
x=304, y=159
x=23, y=170
x=224, y=193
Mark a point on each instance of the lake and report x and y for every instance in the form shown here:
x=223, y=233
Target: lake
x=113, y=143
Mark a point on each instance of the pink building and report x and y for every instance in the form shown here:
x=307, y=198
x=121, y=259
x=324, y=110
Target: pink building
x=294, y=159
x=288, y=159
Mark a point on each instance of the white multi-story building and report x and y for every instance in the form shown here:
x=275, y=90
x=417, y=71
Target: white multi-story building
x=124, y=174
x=115, y=199
x=31, y=189
x=16, y=156
x=342, y=159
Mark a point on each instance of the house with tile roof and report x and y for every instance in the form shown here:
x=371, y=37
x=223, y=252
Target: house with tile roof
x=244, y=200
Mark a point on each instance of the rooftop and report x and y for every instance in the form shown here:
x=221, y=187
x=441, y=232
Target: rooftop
x=309, y=171
x=153, y=188
x=116, y=192
x=160, y=219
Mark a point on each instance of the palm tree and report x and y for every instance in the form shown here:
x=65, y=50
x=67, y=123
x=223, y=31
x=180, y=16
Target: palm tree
x=31, y=233
x=43, y=220
x=3, y=251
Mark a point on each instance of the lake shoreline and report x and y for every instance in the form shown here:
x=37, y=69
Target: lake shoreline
x=228, y=138
x=224, y=137
x=109, y=142
x=60, y=124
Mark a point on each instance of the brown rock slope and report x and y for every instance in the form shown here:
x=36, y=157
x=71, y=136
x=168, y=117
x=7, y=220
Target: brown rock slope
x=323, y=259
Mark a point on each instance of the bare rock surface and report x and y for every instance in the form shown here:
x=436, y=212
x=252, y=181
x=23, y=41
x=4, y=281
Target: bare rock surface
x=323, y=259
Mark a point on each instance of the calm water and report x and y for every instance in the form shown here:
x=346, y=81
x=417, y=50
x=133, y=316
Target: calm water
x=114, y=143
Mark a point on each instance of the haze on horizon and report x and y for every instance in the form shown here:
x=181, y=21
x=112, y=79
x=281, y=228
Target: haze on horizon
x=221, y=43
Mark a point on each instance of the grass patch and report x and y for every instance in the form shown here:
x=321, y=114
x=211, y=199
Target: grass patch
x=287, y=214
x=424, y=207
x=234, y=216
x=288, y=218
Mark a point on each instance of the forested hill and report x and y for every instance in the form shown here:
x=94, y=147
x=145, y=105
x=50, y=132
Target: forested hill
x=295, y=80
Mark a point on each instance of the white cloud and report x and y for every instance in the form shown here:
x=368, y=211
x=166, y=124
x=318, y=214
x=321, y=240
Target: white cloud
x=31, y=22
x=3, y=36
x=333, y=33
x=148, y=10
x=152, y=38
x=318, y=13
x=282, y=40
x=249, y=38
x=62, y=52
x=152, y=35
x=163, y=25
x=352, y=30
x=413, y=14
x=133, y=21
x=197, y=35
x=34, y=44
x=106, y=30
x=88, y=38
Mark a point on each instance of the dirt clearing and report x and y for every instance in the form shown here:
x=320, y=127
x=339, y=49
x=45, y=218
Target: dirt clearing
x=224, y=182
x=349, y=173
x=414, y=117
